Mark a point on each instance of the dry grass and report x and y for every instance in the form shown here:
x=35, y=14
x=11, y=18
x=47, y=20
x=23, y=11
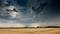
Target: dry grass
x=31, y=31
x=58, y=32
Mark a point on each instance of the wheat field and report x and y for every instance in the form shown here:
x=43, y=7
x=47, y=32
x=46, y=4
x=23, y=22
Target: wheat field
x=31, y=31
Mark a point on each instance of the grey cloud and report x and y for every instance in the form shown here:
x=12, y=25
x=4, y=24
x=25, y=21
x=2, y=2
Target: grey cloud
x=34, y=11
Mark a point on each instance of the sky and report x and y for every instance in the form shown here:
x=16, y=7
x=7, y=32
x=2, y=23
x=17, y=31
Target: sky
x=29, y=13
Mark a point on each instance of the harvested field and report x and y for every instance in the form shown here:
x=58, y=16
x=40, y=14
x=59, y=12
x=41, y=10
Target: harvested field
x=31, y=31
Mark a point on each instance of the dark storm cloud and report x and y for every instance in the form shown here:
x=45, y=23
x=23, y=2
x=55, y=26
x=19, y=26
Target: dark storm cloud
x=22, y=2
x=44, y=7
x=47, y=9
x=55, y=7
x=32, y=11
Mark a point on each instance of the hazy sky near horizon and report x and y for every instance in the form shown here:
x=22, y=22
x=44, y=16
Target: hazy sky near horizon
x=30, y=13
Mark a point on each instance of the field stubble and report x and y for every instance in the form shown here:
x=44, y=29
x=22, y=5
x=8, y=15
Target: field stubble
x=31, y=31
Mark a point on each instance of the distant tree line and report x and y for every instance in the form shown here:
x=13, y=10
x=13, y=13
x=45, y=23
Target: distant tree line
x=44, y=27
x=49, y=27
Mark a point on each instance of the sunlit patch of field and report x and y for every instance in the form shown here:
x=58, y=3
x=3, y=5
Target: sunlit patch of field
x=31, y=31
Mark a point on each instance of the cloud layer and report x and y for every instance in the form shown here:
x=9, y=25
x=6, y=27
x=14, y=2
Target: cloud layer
x=31, y=13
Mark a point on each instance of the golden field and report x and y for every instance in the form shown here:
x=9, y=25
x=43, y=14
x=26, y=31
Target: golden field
x=31, y=31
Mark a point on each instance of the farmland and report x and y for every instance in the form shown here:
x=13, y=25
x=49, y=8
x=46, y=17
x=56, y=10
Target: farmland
x=31, y=31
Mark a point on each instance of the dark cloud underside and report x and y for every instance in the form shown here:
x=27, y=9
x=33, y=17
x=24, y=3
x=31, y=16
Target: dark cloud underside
x=30, y=11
